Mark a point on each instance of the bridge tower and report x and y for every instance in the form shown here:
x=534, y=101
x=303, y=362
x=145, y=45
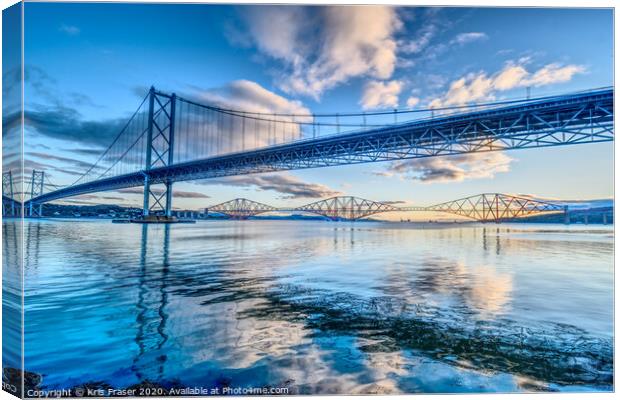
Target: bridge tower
x=36, y=190
x=8, y=208
x=159, y=151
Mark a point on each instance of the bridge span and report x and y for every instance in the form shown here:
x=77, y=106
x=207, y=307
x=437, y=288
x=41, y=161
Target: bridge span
x=171, y=139
x=484, y=207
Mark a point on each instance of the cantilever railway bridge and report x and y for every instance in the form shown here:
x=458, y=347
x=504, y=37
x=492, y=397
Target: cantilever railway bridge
x=483, y=207
x=171, y=139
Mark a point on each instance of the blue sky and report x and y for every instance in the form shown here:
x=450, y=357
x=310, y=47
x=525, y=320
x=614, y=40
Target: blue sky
x=94, y=62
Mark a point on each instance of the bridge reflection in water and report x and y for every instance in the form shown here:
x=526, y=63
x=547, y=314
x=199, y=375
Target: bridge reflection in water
x=253, y=304
x=151, y=336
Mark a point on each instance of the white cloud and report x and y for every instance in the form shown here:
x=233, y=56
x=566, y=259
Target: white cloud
x=277, y=30
x=69, y=29
x=413, y=101
x=250, y=96
x=348, y=41
x=455, y=168
x=553, y=73
x=381, y=94
x=481, y=87
x=420, y=42
x=510, y=77
x=423, y=46
x=468, y=37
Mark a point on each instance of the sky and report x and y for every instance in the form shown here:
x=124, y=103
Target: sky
x=88, y=66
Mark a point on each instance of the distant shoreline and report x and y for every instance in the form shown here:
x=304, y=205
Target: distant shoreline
x=378, y=223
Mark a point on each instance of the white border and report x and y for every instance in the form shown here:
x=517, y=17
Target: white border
x=459, y=3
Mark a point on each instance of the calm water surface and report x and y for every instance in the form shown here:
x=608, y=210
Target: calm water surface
x=319, y=307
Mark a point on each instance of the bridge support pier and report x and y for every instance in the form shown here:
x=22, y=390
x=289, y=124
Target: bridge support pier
x=168, y=199
x=147, y=193
x=35, y=210
x=8, y=195
x=36, y=189
x=162, y=201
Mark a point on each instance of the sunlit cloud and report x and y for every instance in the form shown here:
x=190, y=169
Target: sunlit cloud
x=381, y=94
x=350, y=41
x=456, y=168
x=413, y=101
x=251, y=97
x=553, y=73
x=480, y=87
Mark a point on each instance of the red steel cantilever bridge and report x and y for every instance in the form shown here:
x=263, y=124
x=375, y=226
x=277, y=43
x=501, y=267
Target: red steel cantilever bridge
x=483, y=207
x=170, y=139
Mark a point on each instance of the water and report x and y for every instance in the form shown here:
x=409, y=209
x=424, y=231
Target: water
x=319, y=307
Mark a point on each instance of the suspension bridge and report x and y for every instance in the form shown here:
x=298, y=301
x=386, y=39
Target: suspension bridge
x=486, y=207
x=170, y=139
